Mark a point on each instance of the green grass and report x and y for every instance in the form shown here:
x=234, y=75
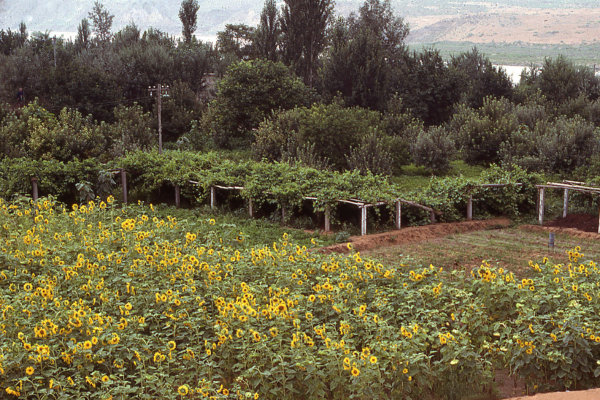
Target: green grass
x=519, y=53
x=413, y=177
x=510, y=248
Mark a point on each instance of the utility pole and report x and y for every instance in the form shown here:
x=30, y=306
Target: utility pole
x=160, y=91
x=54, y=45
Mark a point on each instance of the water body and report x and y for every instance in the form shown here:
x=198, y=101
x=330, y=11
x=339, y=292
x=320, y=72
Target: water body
x=513, y=72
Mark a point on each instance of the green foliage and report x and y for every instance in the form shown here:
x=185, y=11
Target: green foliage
x=479, y=133
x=433, y=149
x=132, y=130
x=372, y=155
x=427, y=87
x=450, y=195
x=268, y=31
x=304, y=26
x=558, y=147
x=478, y=78
x=266, y=182
x=36, y=133
x=560, y=80
x=363, y=61
x=189, y=19
x=247, y=95
x=332, y=128
x=101, y=22
x=55, y=178
x=217, y=310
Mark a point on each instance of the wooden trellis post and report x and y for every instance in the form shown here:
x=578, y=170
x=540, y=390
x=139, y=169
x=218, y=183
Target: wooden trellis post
x=177, y=199
x=398, y=215
x=432, y=216
x=541, y=206
x=283, y=214
x=250, y=208
x=124, y=185
x=213, y=197
x=565, y=203
x=363, y=220
x=470, y=208
x=35, y=188
x=327, y=218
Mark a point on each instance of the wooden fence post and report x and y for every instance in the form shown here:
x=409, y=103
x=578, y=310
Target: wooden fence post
x=565, y=203
x=470, y=208
x=363, y=220
x=327, y=218
x=432, y=216
x=283, y=214
x=124, y=185
x=177, y=199
x=250, y=208
x=213, y=197
x=35, y=188
x=398, y=215
x=541, y=206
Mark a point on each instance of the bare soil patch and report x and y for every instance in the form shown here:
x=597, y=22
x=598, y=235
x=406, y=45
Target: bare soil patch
x=592, y=394
x=582, y=222
x=415, y=234
x=510, y=25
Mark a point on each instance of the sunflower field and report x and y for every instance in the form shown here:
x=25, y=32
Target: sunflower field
x=101, y=301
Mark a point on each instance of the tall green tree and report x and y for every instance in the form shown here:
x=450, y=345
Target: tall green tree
x=188, y=14
x=477, y=78
x=102, y=21
x=268, y=31
x=366, y=54
x=84, y=33
x=237, y=40
x=304, y=26
x=427, y=87
x=247, y=95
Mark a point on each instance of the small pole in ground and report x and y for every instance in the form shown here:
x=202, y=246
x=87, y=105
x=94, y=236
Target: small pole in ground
x=124, y=185
x=35, y=188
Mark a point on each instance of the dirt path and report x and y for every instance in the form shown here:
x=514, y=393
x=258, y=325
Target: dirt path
x=415, y=234
x=592, y=394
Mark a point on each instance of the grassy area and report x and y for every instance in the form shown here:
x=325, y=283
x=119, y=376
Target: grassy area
x=413, y=177
x=518, y=53
x=507, y=248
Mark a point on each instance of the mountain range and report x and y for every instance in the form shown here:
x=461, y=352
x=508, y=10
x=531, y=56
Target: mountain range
x=548, y=21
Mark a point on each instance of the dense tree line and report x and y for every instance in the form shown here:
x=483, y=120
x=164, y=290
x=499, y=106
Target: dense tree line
x=305, y=85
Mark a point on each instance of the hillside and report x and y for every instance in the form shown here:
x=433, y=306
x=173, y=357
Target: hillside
x=547, y=22
x=510, y=25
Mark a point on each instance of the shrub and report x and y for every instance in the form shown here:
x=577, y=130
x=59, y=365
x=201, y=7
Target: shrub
x=433, y=149
x=371, y=155
x=332, y=128
x=479, y=133
x=567, y=144
x=132, y=130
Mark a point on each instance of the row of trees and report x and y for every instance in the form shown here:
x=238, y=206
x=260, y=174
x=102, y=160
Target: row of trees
x=305, y=85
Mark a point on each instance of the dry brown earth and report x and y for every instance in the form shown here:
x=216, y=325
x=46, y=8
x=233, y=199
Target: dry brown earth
x=510, y=25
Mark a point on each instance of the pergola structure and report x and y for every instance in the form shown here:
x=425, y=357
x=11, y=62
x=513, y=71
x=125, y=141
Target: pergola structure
x=566, y=186
x=363, y=206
